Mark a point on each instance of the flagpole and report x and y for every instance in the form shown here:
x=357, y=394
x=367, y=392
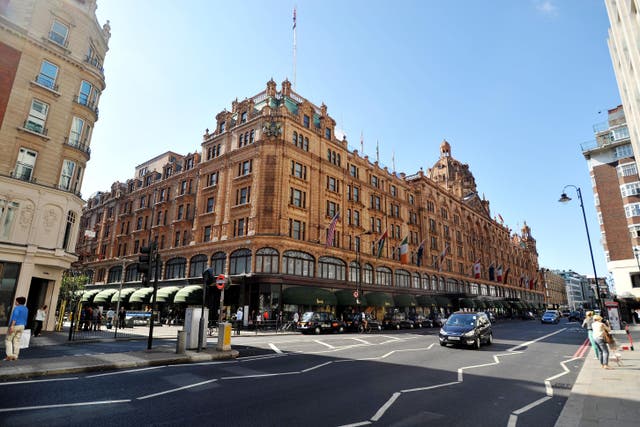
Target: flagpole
x=294, y=48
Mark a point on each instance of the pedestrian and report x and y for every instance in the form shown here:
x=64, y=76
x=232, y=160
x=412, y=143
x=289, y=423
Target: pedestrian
x=41, y=315
x=96, y=318
x=258, y=320
x=239, y=317
x=587, y=324
x=600, y=329
x=17, y=323
x=296, y=318
x=122, y=316
x=110, y=315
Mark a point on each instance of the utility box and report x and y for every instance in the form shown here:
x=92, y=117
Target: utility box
x=224, y=336
x=192, y=326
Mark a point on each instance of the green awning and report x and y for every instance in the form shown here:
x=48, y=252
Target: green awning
x=498, y=304
x=442, y=301
x=123, y=296
x=191, y=294
x=489, y=303
x=143, y=295
x=88, y=294
x=380, y=299
x=345, y=297
x=467, y=303
x=404, y=300
x=426, y=301
x=167, y=293
x=481, y=305
x=104, y=296
x=308, y=295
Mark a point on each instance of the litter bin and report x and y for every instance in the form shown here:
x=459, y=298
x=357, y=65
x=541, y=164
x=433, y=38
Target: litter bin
x=181, y=343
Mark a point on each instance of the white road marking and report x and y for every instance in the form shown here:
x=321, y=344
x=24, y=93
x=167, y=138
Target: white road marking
x=274, y=348
x=431, y=387
x=531, y=405
x=148, y=396
x=263, y=356
x=38, y=381
x=362, y=341
x=316, y=367
x=386, y=406
x=364, y=423
x=128, y=371
x=525, y=344
x=277, y=374
x=64, y=405
x=324, y=343
x=547, y=382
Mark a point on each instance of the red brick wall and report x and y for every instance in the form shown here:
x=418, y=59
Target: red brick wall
x=612, y=208
x=9, y=60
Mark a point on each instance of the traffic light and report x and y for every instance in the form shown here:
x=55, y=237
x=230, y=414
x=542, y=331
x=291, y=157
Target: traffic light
x=143, y=260
x=207, y=277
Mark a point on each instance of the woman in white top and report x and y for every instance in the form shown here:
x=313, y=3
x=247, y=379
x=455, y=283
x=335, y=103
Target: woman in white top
x=598, y=336
x=41, y=314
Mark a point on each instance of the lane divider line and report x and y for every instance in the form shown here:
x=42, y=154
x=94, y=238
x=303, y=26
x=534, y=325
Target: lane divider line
x=38, y=381
x=64, y=405
x=186, y=387
x=274, y=348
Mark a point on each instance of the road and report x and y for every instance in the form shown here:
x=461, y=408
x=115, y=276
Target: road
x=400, y=378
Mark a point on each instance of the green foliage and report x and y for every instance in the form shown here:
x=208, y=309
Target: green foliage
x=71, y=286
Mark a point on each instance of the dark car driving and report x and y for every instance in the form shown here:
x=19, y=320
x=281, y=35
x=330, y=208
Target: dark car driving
x=317, y=322
x=466, y=329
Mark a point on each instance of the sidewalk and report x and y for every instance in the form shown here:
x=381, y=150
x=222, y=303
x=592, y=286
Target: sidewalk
x=606, y=398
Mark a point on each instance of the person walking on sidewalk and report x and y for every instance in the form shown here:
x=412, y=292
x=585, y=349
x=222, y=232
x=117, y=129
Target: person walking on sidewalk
x=587, y=323
x=599, y=330
x=239, y=317
x=41, y=315
x=17, y=322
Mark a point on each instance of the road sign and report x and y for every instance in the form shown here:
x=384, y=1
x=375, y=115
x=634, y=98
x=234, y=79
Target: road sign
x=355, y=294
x=220, y=281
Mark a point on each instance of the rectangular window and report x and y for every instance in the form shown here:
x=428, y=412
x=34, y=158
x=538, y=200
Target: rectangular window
x=75, y=134
x=48, y=75
x=243, y=196
x=296, y=229
x=213, y=179
x=298, y=170
x=356, y=218
x=298, y=198
x=183, y=187
x=332, y=208
x=627, y=169
x=180, y=212
x=37, y=116
x=84, y=96
x=332, y=184
x=374, y=181
x=623, y=151
x=207, y=234
x=356, y=194
x=243, y=117
x=8, y=211
x=327, y=133
x=59, y=33
x=210, y=204
x=240, y=227
x=630, y=189
x=305, y=121
x=244, y=168
x=176, y=241
x=393, y=190
x=66, y=175
x=25, y=164
x=632, y=210
x=353, y=171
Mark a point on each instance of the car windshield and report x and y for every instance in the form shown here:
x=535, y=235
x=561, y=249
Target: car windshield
x=550, y=313
x=310, y=315
x=462, y=320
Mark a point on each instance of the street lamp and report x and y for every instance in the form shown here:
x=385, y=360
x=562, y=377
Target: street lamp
x=564, y=199
x=359, y=281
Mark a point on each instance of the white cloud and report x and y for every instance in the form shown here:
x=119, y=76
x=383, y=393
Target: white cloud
x=547, y=7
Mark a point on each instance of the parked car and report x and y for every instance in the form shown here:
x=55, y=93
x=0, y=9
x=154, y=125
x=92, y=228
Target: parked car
x=421, y=321
x=318, y=322
x=466, y=329
x=397, y=321
x=491, y=316
x=353, y=322
x=437, y=320
x=550, y=316
x=576, y=316
x=565, y=313
x=528, y=315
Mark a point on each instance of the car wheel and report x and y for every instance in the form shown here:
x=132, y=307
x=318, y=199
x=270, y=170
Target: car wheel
x=477, y=344
x=490, y=339
x=443, y=344
x=317, y=330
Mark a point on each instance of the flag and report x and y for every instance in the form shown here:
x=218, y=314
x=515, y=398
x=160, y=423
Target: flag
x=361, y=142
x=531, y=283
x=476, y=269
x=381, y=242
x=420, y=253
x=506, y=274
x=332, y=229
x=521, y=279
x=499, y=274
x=404, y=251
x=492, y=272
x=500, y=218
x=443, y=256
x=294, y=18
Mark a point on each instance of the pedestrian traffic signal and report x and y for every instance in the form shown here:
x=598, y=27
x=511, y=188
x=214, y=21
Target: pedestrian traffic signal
x=143, y=260
x=207, y=277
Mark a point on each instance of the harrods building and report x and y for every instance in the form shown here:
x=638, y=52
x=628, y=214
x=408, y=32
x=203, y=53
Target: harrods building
x=257, y=202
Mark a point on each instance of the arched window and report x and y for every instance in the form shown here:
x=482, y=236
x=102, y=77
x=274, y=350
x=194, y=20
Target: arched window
x=473, y=288
x=367, y=274
x=416, y=281
x=425, y=282
x=354, y=272
x=240, y=261
x=441, y=286
x=132, y=274
x=331, y=268
x=267, y=260
x=402, y=278
x=452, y=285
x=434, y=283
x=218, y=262
x=383, y=276
x=298, y=263
x=115, y=274
x=197, y=265
x=483, y=290
x=175, y=268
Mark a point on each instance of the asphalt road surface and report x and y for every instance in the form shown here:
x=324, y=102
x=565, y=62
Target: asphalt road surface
x=400, y=378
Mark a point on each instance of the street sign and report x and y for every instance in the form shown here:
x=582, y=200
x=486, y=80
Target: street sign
x=220, y=281
x=355, y=294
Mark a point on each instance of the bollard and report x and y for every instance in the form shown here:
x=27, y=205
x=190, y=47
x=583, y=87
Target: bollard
x=224, y=336
x=181, y=342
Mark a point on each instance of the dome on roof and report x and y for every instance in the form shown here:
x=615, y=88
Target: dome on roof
x=445, y=148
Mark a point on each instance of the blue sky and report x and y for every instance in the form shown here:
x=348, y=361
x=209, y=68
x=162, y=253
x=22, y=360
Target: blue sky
x=514, y=86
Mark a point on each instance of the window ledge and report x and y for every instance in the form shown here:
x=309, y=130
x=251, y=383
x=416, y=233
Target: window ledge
x=48, y=89
x=25, y=130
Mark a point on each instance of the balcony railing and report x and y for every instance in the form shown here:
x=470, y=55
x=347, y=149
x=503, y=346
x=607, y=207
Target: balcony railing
x=84, y=147
x=85, y=103
x=35, y=128
x=94, y=62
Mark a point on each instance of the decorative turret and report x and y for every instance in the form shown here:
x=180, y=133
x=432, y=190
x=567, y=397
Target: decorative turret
x=451, y=174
